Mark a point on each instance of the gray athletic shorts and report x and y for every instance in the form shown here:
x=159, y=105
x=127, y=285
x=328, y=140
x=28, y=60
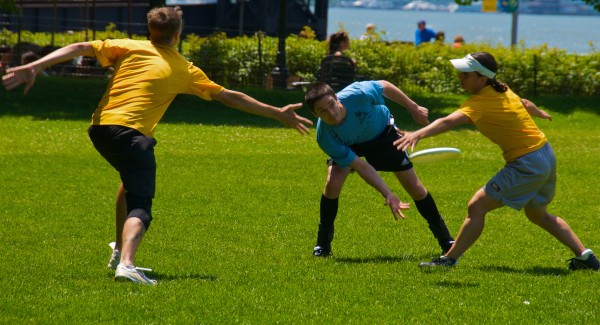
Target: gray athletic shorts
x=529, y=180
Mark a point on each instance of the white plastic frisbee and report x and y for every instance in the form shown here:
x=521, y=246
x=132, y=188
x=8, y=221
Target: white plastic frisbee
x=433, y=155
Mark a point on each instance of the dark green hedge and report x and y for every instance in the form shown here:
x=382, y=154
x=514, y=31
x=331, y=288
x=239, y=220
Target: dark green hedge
x=248, y=61
x=531, y=71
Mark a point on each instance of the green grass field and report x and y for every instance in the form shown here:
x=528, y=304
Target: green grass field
x=235, y=221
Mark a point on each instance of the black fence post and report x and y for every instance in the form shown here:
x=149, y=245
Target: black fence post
x=261, y=77
x=535, y=73
x=280, y=72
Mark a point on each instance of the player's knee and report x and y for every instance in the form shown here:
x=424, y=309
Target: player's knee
x=539, y=216
x=333, y=187
x=139, y=207
x=142, y=215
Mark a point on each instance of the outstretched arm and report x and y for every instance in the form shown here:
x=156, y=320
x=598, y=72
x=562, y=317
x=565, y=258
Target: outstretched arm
x=25, y=74
x=441, y=125
x=370, y=175
x=245, y=103
x=533, y=110
x=419, y=113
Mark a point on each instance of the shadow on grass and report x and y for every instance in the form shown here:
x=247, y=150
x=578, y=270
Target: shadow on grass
x=168, y=277
x=376, y=259
x=456, y=284
x=179, y=277
x=76, y=99
x=536, y=270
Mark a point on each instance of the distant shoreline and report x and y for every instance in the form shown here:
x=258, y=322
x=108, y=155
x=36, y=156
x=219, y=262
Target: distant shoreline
x=573, y=33
x=532, y=8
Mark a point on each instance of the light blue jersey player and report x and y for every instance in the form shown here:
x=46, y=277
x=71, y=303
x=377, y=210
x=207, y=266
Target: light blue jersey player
x=356, y=123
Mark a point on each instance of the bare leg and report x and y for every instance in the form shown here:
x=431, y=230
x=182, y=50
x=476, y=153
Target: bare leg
x=120, y=216
x=411, y=184
x=557, y=227
x=133, y=232
x=336, y=176
x=473, y=225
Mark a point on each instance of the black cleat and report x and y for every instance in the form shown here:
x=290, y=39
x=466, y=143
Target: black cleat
x=322, y=251
x=587, y=261
x=440, y=262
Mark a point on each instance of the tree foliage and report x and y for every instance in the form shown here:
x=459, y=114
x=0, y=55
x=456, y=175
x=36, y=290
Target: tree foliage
x=8, y=6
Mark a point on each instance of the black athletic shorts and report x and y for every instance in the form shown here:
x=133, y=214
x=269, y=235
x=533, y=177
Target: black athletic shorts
x=132, y=154
x=381, y=152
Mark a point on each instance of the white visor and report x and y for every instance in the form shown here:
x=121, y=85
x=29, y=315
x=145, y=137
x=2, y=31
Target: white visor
x=469, y=64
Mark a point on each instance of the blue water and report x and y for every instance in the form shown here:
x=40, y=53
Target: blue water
x=572, y=33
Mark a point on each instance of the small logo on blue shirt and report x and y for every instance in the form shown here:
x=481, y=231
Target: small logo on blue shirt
x=362, y=116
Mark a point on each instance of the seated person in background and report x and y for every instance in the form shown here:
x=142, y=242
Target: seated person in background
x=440, y=37
x=6, y=57
x=458, y=41
x=423, y=34
x=337, y=70
x=369, y=33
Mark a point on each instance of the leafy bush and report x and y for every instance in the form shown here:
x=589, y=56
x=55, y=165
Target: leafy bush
x=233, y=61
x=249, y=60
x=538, y=70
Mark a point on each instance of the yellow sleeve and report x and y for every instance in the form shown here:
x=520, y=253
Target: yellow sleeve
x=108, y=51
x=201, y=86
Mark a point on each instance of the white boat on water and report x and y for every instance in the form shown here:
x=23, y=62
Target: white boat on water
x=371, y=4
x=419, y=5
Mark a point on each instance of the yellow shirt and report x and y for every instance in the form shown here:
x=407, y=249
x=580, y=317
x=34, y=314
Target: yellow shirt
x=502, y=118
x=146, y=79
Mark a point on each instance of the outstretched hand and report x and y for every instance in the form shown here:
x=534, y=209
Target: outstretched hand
x=17, y=76
x=408, y=140
x=396, y=206
x=293, y=120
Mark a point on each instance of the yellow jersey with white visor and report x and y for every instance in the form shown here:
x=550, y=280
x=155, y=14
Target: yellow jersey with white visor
x=502, y=118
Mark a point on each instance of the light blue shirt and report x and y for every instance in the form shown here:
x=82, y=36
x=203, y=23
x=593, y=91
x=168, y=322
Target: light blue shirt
x=366, y=118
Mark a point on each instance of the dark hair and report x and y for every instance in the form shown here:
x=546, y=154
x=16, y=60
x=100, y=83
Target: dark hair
x=315, y=92
x=336, y=40
x=164, y=23
x=487, y=60
x=440, y=36
x=29, y=57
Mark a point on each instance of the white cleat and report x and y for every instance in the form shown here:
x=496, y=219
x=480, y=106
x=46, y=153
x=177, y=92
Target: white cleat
x=130, y=273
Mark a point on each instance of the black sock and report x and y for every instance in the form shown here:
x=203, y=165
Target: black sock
x=329, y=209
x=429, y=211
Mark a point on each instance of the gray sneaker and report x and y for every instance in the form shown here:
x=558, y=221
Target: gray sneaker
x=130, y=273
x=115, y=257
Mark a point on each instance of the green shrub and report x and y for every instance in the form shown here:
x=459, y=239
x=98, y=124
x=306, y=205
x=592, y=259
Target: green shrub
x=528, y=71
x=233, y=61
x=248, y=60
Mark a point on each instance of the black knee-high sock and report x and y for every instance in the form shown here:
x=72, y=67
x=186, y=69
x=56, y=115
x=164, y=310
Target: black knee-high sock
x=329, y=209
x=429, y=211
